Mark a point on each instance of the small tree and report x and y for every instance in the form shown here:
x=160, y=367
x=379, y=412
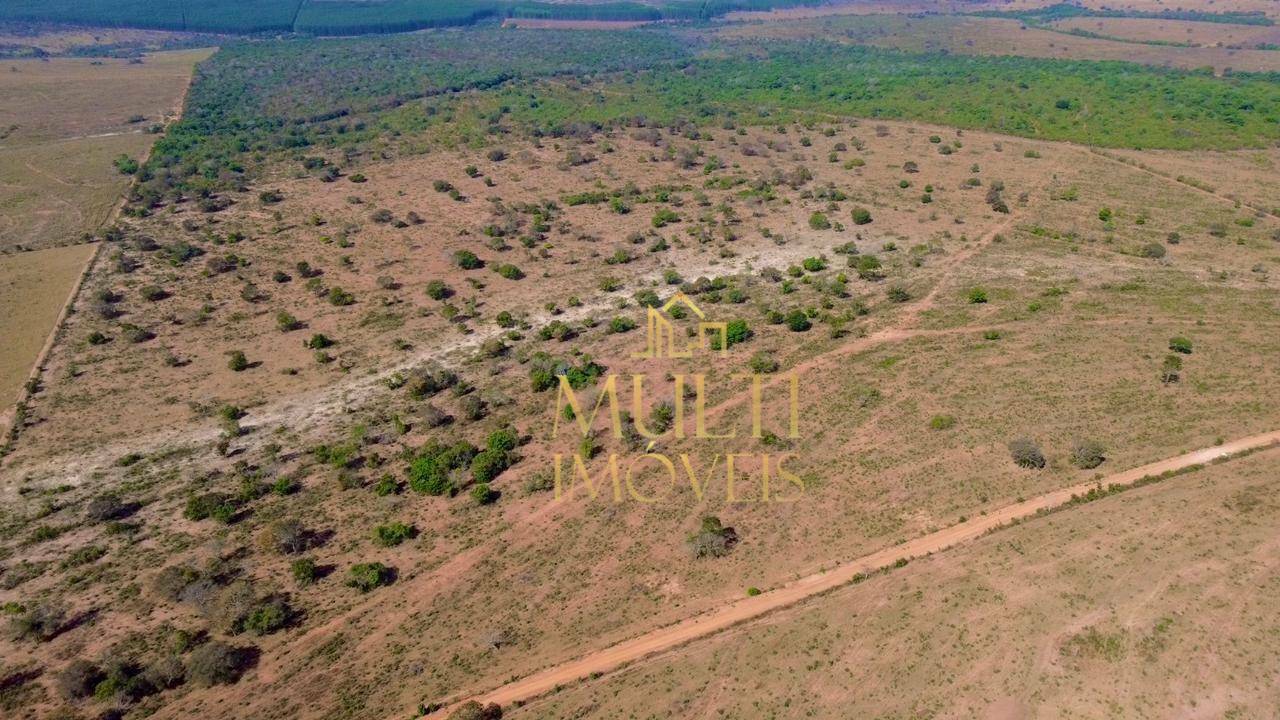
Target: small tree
x=366, y=577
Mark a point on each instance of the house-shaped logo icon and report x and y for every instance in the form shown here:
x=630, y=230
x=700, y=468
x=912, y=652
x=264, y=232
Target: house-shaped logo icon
x=661, y=340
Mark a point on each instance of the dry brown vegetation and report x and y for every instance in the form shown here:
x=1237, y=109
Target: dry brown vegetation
x=38, y=282
x=1087, y=612
x=1074, y=316
x=63, y=122
x=291, y=453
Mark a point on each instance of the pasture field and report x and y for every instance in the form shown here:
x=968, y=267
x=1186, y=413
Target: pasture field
x=1182, y=32
x=33, y=288
x=1088, y=612
x=65, y=123
x=1009, y=37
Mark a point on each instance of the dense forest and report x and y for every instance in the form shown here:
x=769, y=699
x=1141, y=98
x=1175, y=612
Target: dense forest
x=407, y=93
x=1062, y=11
x=352, y=17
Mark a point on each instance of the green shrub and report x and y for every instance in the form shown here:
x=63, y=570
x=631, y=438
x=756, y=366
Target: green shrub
x=977, y=296
x=482, y=494
x=510, y=272
x=621, y=324
x=489, y=464
x=366, y=577
x=762, y=363
x=304, y=571
x=467, y=260
x=238, y=361
x=438, y=290
x=267, y=617
x=819, y=221
x=798, y=321
x=392, y=534
x=942, y=422
x=340, y=298
x=1087, y=454
x=210, y=505
x=861, y=216
x=1180, y=345
x=287, y=322
x=664, y=217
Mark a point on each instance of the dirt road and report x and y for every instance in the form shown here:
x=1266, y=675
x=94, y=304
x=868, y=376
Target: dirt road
x=672, y=636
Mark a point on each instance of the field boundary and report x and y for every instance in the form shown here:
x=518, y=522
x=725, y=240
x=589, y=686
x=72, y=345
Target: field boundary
x=10, y=418
x=665, y=639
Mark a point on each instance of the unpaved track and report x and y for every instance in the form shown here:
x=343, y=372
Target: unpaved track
x=738, y=611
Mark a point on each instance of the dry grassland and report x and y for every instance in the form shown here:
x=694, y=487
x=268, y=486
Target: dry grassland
x=1077, y=322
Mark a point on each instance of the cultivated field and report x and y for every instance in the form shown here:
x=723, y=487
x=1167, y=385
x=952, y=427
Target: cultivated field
x=1177, y=31
x=64, y=122
x=37, y=282
x=1001, y=37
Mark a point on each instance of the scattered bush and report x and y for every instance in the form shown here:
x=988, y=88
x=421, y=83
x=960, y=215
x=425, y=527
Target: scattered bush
x=217, y=663
x=1154, y=251
x=482, y=494
x=77, y=680
x=1180, y=345
x=393, y=534
x=1087, y=454
x=367, y=577
x=713, y=539
x=762, y=363
x=798, y=321
x=41, y=622
x=1026, y=453
x=304, y=571
x=942, y=422
x=861, y=216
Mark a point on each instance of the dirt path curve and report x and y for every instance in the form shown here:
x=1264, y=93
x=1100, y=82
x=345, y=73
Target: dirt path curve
x=749, y=608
